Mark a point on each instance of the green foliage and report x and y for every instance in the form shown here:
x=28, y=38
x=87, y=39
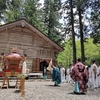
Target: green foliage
x=51, y=19
x=32, y=12
x=45, y=18
x=21, y=76
x=65, y=57
x=78, y=49
x=95, y=18
x=80, y=2
x=91, y=52
x=29, y=9
x=2, y=7
x=13, y=11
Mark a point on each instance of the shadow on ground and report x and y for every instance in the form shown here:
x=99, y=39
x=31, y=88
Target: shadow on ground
x=76, y=93
x=17, y=91
x=53, y=85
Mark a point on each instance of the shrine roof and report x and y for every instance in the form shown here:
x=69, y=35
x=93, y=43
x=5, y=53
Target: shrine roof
x=24, y=23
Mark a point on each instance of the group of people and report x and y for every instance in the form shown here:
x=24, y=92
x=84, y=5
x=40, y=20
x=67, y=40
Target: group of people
x=76, y=74
x=94, y=76
x=81, y=75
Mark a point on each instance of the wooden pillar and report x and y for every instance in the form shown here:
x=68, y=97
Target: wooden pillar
x=22, y=86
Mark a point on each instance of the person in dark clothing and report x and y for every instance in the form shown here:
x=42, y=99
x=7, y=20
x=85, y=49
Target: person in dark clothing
x=44, y=73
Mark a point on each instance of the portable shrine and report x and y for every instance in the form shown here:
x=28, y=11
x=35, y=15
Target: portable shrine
x=11, y=67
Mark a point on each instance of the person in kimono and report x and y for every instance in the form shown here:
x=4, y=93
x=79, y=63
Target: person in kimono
x=97, y=80
x=71, y=80
x=56, y=75
x=89, y=84
x=44, y=73
x=80, y=75
x=24, y=66
x=62, y=70
x=94, y=75
x=98, y=75
x=68, y=71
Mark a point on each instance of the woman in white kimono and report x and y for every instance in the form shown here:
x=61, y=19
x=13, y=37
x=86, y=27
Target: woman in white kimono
x=89, y=84
x=71, y=80
x=62, y=70
x=94, y=75
x=68, y=78
x=24, y=67
x=98, y=75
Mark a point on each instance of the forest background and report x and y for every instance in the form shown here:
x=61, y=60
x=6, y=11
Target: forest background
x=73, y=24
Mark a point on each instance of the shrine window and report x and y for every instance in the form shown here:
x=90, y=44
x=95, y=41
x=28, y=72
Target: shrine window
x=46, y=53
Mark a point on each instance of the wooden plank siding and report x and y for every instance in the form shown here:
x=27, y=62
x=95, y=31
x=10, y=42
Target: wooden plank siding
x=29, y=41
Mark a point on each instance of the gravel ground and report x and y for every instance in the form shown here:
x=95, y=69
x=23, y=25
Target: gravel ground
x=39, y=89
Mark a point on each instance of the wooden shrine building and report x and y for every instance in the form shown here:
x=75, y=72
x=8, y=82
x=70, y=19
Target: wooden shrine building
x=30, y=41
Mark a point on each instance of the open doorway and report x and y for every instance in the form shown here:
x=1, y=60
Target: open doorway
x=43, y=64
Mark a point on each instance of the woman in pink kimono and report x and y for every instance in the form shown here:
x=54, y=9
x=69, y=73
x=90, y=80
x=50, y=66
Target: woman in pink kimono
x=80, y=75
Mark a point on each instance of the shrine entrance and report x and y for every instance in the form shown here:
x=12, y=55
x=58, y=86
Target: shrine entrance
x=43, y=64
x=38, y=64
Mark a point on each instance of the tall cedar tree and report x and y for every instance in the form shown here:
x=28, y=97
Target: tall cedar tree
x=13, y=11
x=51, y=19
x=79, y=5
x=95, y=21
x=33, y=13
x=73, y=33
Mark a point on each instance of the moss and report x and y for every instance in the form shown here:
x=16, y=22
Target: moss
x=21, y=76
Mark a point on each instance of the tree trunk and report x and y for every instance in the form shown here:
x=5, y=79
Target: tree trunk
x=81, y=36
x=73, y=34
